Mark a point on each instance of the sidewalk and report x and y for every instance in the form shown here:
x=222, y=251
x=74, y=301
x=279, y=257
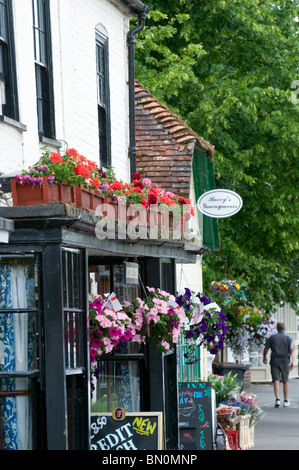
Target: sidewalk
x=279, y=427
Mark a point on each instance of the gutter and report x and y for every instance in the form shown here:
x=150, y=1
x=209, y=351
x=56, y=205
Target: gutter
x=131, y=50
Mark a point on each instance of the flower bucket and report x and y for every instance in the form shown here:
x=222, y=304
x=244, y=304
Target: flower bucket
x=29, y=194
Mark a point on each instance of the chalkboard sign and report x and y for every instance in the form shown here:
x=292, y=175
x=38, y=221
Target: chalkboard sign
x=195, y=416
x=122, y=430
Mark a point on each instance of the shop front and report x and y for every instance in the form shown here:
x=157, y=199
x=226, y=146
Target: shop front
x=48, y=270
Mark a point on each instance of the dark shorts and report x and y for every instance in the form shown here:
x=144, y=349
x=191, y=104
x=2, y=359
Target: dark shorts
x=280, y=368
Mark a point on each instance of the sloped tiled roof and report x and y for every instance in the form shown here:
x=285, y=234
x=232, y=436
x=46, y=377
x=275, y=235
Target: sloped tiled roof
x=164, y=143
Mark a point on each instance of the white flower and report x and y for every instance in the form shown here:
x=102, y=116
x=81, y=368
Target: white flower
x=212, y=305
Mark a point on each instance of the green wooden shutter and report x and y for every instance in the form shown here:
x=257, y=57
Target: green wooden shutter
x=204, y=180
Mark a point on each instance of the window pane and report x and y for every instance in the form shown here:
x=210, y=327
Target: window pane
x=118, y=385
x=18, y=345
x=17, y=283
x=72, y=270
x=15, y=414
x=3, y=27
x=103, y=135
x=1, y=61
x=101, y=75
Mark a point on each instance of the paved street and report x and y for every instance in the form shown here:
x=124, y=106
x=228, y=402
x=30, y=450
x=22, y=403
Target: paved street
x=279, y=428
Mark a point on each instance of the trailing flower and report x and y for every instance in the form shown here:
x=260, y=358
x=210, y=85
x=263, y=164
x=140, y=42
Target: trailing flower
x=108, y=328
x=155, y=318
x=162, y=318
x=228, y=289
x=205, y=323
x=248, y=326
x=249, y=330
x=259, y=327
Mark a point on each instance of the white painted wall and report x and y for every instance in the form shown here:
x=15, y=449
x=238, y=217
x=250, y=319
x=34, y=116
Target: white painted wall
x=73, y=24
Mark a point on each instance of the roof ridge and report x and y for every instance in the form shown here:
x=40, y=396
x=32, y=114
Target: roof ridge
x=164, y=115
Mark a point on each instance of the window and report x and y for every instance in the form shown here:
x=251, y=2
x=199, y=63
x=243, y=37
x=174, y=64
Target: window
x=19, y=352
x=103, y=93
x=8, y=85
x=75, y=341
x=43, y=68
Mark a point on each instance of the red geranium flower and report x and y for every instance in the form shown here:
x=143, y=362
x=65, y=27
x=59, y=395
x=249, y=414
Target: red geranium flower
x=136, y=176
x=95, y=181
x=72, y=152
x=138, y=184
x=55, y=158
x=153, y=191
x=91, y=164
x=116, y=185
x=82, y=170
x=152, y=199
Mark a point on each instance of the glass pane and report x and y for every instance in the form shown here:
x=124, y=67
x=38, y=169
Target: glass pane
x=17, y=283
x=74, y=340
x=18, y=345
x=101, y=75
x=3, y=29
x=15, y=414
x=1, y=62
x=118, y=385
x=122, y=290
x=72, y=279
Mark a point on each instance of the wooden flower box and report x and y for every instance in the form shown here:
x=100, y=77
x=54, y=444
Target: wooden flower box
x=46, y=193
x=88, y=198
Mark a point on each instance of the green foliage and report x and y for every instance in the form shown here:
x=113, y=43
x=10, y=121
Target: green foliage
x=226, y=387
x=227, y=68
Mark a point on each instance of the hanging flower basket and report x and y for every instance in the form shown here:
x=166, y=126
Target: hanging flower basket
x=205, y=324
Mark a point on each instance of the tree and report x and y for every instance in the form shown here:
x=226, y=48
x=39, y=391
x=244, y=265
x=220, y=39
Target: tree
x=227, y=67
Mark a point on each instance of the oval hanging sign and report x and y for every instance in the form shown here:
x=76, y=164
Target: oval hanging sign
x=219, y=203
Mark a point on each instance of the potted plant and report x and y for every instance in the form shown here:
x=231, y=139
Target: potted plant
x=73, y=179
x=56, y=177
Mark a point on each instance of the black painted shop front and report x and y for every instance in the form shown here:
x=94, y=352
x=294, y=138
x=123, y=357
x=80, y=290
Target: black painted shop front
x=47, y=270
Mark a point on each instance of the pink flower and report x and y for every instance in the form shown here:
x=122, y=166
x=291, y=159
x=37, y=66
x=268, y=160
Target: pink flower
x=115, y=332
x=97, y=343
x=146, y=182
x=127, y=335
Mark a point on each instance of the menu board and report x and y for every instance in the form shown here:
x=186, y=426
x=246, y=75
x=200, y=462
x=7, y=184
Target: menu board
x=195, y=416
x=121, y=430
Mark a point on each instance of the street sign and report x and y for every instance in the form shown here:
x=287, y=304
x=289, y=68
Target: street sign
x=219, y=203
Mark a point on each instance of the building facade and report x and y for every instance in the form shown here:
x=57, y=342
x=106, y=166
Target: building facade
x=64, y=80
x=67, y=81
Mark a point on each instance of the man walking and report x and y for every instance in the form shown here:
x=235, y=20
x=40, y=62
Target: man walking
x=282, y=348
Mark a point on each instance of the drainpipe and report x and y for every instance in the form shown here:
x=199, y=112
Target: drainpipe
x=131, y=51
